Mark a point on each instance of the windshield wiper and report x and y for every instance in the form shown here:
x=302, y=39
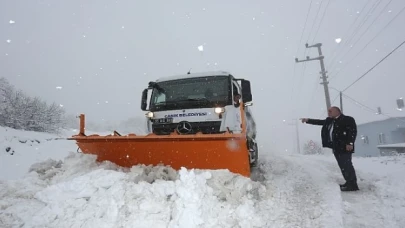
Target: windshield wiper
x=183, y=100
x=198, y=99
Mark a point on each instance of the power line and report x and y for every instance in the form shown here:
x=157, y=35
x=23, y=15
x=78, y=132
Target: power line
x=351, y=60
x=303, y=29
x=347, y=31
x=319, y=9
x=320, y=23
x=347, y=41
x=299, y=45
x=364, y=32
x=369, y=109
x=374, y=66
x=358, y=103
x=365, y=19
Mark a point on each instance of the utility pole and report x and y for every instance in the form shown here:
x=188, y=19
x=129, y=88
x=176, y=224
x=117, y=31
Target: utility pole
x=323, y=72
x=298, y=137
x=295, y=122
x=341, y=97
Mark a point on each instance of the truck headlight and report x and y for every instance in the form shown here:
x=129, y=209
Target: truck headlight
x=149, y=115
x=219, y=110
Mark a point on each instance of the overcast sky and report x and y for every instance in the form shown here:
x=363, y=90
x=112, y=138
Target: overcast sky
x=103, y=53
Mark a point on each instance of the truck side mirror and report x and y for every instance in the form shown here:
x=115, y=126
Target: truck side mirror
x=144, y=100
x=246, y=91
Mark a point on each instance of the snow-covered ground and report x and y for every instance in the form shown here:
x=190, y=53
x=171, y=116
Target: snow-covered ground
x=46, y=183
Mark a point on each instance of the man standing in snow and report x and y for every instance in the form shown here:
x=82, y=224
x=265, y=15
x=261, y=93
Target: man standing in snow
x=339, y=133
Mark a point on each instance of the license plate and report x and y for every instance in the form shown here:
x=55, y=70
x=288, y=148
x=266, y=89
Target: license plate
x=164, y=120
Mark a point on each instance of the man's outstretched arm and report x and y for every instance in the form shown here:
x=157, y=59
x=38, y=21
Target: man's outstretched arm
x=313, y=121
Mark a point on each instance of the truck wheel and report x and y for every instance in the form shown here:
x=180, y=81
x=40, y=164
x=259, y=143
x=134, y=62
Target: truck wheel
x=255, y=154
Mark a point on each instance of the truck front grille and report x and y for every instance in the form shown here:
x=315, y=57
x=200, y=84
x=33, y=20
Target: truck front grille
x=208, y=127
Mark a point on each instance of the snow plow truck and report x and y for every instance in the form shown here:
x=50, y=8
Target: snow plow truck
x=195, y=120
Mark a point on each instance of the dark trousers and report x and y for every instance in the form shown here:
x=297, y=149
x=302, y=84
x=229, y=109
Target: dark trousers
x=344, y=160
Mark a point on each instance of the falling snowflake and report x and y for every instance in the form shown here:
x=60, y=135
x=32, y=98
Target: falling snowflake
x=254, y=18
x=201, y=48
x=122, y=27
x=106, y=102
x=61, y=105
x=58, y=87
x=8, y=41
x=338, y=40
x=11, y=22
x=389, y=11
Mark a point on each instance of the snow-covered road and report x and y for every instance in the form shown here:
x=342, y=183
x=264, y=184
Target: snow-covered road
x=291, y=190
x=312, y=198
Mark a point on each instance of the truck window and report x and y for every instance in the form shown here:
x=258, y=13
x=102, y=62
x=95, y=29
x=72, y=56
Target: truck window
x=204, y=88
x=159, y=97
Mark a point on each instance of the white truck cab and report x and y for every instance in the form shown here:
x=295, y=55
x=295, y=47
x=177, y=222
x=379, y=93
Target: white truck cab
x=199, y=102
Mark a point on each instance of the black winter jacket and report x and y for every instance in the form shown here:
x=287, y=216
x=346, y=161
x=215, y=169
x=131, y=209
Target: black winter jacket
x=344, y=132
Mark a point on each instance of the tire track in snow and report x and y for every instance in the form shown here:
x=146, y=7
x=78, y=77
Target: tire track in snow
x=370, y=207
x=294, y=197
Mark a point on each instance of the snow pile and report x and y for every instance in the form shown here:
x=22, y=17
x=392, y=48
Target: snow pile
x=49, y=184
x=20, y=149
x=81, y=192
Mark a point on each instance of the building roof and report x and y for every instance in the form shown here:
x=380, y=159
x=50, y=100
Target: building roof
x=395, y=145
x=399, y=118
x=194, y=75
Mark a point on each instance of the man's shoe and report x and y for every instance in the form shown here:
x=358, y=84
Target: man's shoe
x=343, y=185
x=348, y=188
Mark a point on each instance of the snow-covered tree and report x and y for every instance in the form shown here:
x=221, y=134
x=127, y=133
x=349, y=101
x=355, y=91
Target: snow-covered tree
x=312, y=147
x=19, y=111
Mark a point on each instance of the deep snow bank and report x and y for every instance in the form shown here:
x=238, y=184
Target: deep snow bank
x=48, y=184
x=79, y=192
x=20, y=149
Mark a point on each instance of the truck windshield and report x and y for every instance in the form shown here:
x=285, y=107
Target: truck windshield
x=191, y=92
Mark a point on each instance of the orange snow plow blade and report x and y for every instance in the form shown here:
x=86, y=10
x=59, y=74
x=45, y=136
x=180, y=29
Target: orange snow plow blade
x=199, y=151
